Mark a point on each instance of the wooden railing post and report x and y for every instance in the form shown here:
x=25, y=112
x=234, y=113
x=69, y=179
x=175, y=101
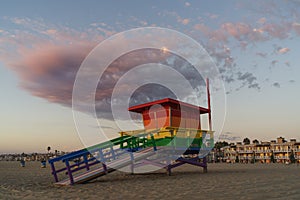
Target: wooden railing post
x=54, y=171
x=102, y=160
x=69, y=172
x=153, y=142
x=113, y=152
x=86, y=162
x=132, y=162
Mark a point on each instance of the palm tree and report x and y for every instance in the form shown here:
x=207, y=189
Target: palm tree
x=48, y=149
x=246, y=141
x=219, y=145
x=255, y=141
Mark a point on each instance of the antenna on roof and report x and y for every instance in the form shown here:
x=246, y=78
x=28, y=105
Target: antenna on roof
x=208, y=101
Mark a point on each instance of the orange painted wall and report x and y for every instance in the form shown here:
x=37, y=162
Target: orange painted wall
x=160, y=117
x=157, y=118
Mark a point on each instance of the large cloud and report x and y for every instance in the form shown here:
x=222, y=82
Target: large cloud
x=49, y=71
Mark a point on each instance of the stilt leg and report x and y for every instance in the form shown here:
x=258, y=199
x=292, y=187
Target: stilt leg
x=168, y=169
x=205, y=165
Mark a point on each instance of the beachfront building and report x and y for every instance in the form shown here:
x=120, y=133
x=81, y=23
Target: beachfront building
x=245, y=152
x=230, y=153
x=264, y=152
x=280, y=151
x=297, y=151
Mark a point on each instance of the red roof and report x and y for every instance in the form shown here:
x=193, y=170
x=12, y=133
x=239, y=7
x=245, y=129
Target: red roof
x=141, y=107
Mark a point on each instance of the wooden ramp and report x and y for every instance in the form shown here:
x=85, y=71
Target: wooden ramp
x=108, y=167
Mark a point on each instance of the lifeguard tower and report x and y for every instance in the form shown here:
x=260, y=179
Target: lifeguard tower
x=176, y=125
x=172, y=136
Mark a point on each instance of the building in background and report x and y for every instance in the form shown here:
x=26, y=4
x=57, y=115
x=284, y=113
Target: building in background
x=279, y=151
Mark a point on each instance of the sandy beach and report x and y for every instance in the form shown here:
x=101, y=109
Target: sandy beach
x=234, y=181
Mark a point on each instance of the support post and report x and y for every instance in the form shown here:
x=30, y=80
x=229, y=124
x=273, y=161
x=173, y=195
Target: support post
x=102, y=160
x=168, y=168
x=86, y=162
x=69, y=172
x=205, y=165
x=113, y=152
x=208, y=101
x=132, y=162
x=54, y=172
x=153, y=142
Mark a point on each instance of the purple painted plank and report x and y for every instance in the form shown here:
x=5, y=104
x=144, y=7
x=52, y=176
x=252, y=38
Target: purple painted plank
x=54, y=172
x=69, y=172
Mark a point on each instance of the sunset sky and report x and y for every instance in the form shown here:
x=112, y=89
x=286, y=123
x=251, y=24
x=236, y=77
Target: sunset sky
x=255, y=45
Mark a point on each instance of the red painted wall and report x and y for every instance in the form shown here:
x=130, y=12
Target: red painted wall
x=159, y=117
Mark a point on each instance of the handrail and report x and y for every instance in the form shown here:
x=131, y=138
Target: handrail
x=106, y=151
x=81, y=152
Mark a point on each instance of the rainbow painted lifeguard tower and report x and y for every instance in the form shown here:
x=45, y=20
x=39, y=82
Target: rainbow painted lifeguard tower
x=167, y=118
x=172, y=136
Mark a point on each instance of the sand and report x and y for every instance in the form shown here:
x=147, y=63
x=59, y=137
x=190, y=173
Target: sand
x=230, y=181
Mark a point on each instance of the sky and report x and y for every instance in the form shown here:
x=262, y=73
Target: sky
x=255, y=47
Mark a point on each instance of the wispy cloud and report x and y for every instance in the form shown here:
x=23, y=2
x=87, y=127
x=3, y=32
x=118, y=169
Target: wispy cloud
x=296, y=27
x=274, y=62
x=187, y=4
x=261, y=54
x=184, y=21
x=277, y=85
x=283, y=50
x=248, y=79
x=228, y=136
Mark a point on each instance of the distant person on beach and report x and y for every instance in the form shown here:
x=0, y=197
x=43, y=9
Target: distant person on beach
x=43, y=163
x=22, y=162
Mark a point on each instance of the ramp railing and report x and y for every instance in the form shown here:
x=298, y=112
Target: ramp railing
x=99, y=154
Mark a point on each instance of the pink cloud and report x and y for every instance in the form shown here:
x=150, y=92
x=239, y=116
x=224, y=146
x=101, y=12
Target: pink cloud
x=283, y=50
x=237, y=30
x=51, y=31
x=47, y=68
x=213, y=16
x=202, y=28
x=262, y=20
x=184, y=21
x=280, y=31
x=218, y=36
x=245, y=33
x=187, y=4
x=296, y=28
x=49, y=71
